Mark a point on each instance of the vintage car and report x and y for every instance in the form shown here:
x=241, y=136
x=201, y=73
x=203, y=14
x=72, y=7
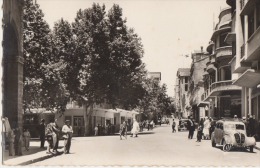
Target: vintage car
x=183, y=124
x=230, y=134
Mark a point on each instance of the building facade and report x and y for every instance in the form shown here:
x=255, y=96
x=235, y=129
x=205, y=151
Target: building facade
x=12, y=62
x=223, y=96
x=245, y=39
x=181, y=88
x=196, y=88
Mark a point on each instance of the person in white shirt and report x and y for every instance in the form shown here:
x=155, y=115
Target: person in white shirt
x=67, y=131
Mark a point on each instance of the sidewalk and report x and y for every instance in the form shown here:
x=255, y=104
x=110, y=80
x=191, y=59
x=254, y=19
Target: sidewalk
x=35, y=154
x=257, y=146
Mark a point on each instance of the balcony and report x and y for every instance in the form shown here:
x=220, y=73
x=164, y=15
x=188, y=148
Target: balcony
x=250, y=78
x=253, y=46
x=223, y=51
x=247, y=7
x=220, y=89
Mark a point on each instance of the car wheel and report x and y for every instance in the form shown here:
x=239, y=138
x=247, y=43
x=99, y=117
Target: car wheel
x=213, y=143
x=251, y=149
x=226, y=147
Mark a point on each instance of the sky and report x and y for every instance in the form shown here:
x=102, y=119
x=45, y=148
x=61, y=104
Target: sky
x=169, y=29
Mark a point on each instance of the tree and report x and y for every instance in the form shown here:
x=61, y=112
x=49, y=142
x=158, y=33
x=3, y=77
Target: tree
x=111, y=66
x=43, y=86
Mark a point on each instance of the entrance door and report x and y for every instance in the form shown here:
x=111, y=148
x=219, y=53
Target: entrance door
x=78, y=125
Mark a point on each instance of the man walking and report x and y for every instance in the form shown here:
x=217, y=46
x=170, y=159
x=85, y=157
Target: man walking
x=191, y=128
x=42, y=133
x=67, y=131
x=173, y=126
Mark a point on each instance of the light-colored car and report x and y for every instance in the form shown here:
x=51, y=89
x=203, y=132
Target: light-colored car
x=230, y=134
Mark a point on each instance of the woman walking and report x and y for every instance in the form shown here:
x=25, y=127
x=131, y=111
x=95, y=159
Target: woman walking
x=135, y=129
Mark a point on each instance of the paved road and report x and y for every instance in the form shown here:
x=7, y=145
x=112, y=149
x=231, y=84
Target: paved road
x=160, y=148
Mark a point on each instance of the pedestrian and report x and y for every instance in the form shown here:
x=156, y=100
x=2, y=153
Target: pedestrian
x=191, y=127
x=235, y=118
x=151, y=125
x=55, y=135
x=212, y=127
x=252, y=124
x=49, y=137
x=141, y=126
x=206, y=128
x=148, y=125
x=67, y=131
x=173, y=126
x=135, y=129
x=199, y=133
x=42, y=133
x=96, y=130
x=123, y=130
x=26, y=136
x=11, y=137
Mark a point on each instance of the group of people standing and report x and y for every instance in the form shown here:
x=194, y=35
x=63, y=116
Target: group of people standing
x=108, y=129
x=205, y=128
x=15, y=139
x=52, y=133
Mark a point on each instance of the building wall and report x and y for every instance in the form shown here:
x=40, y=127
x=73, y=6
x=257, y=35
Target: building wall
x=13, y=62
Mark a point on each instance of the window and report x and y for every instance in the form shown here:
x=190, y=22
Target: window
x=258, y=14
x=122, y=119
x=251, y=24
x=233, y=48
x=186, y=87
x=78, y=121
x=186, y=79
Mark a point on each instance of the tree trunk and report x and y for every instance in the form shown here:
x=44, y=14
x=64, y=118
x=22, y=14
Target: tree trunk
x=88, y=120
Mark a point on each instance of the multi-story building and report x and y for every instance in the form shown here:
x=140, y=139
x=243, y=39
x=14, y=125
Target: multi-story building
x=196, y=88
x=155, y=75
x=224, y=98
x=182, y=87
x=245, y=39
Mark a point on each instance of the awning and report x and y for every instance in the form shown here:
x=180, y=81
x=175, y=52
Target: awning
x=249, y=79
x=230, y=38
x=203, y=104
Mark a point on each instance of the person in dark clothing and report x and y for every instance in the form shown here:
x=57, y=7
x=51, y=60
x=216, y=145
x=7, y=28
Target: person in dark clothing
x=199, y=134
x=173, y=126
x=212, y=128
x=42, y=133
x=191, y=128
x=252, y=126
x=18, y=142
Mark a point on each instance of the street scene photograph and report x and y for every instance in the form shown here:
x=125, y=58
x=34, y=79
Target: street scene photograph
x=130, y=83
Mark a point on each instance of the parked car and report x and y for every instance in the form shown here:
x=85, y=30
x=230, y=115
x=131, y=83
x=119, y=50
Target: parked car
x=183, y=125
x=231, y=134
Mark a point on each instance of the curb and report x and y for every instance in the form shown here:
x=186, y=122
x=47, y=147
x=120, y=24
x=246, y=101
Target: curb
x=39, y=159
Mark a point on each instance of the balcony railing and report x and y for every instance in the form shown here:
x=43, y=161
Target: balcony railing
x=242, y=50
x=222, y=85
x=224, y=51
